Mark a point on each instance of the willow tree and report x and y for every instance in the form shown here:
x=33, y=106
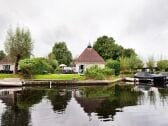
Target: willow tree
x=18, y=45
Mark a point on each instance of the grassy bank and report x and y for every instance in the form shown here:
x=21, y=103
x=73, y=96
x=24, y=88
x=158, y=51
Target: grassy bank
x=59, y=77
x=2, y=76
x=56, y=77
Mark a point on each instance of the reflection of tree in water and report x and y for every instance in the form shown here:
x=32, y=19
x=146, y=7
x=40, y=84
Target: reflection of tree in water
x=15, y=117
x=27, y=98
x=59, y=99
x=163, y=93
x=18, y=114
x=114, y=97
x=152, y=97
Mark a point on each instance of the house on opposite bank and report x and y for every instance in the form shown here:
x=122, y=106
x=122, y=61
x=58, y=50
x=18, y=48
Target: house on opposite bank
x=88, y=58
x=6, y=65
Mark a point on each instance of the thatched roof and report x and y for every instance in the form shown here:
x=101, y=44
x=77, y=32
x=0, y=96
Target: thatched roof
x=89, y=55
x=6, y=60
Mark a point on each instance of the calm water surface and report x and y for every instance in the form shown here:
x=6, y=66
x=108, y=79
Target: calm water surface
x=84, y=106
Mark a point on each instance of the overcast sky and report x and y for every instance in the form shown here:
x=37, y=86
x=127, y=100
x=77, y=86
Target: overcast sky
x=138, y=24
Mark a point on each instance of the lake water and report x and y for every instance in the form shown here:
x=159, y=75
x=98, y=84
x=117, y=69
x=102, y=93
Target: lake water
x=84, y=106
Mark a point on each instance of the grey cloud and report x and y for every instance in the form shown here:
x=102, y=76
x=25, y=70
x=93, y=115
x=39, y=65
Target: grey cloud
x=139, y=24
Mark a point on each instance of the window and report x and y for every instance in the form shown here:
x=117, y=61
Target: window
x=6, y=67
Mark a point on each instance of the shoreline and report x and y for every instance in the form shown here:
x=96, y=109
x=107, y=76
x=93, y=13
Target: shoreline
x=49, y=82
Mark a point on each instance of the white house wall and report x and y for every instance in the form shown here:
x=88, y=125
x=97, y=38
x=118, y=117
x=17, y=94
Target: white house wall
x=11, y=66
x=88, y=65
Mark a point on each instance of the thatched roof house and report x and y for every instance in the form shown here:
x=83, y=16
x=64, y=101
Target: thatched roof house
x=89, y=57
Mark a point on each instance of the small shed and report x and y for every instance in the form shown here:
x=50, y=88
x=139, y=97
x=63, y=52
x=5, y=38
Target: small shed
x=88, y=58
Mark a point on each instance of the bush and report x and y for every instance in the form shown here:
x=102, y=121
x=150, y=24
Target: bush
x=107, y=72
x=97, y=73
x=33, y=66
x=113, y=64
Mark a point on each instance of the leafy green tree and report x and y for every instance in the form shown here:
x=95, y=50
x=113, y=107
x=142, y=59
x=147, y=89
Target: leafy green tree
x=129, y=52
x=18, y=45
x=150, y=63
x=52, y=61
x=107, y=48
x=140, y=63
x=128, y=64
x=61, y=53
x=113, y=64
x=162, y=65
x=2, y=54
x=124, y=64
x=135, y=62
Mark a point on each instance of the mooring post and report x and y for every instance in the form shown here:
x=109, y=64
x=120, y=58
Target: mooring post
x=50, y=84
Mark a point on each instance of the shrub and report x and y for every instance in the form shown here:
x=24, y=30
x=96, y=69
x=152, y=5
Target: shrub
x=33, y=66
x=113, y=64
x=107, y=72
x=95, y=72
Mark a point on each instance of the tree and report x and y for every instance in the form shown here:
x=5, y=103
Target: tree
x=107, y=48
x=129, y=52
x=61, y=53
x=140, y=63
x=18, y=45
x=124, y=64
x=162, y=65
x=150, y=63
x=2, y=54
x=128, y=64
x=134, y=62
x=52, y=61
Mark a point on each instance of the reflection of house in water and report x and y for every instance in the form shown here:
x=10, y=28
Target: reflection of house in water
x=101, y=106
x=89, y=105
x=8, y=96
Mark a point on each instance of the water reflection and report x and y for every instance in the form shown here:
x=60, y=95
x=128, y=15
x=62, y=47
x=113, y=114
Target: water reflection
x=83, y=106
x=163, y=96
x=59, y=99
x=17, y=106
x=15, y=117
x=107, y=101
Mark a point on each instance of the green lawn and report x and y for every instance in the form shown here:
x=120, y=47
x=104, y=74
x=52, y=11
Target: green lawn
x=54, y=77
x=2, y=76
x=58, y=77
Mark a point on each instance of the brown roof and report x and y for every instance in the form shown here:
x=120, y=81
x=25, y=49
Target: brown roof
x=89, y=55
x=6, y=60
